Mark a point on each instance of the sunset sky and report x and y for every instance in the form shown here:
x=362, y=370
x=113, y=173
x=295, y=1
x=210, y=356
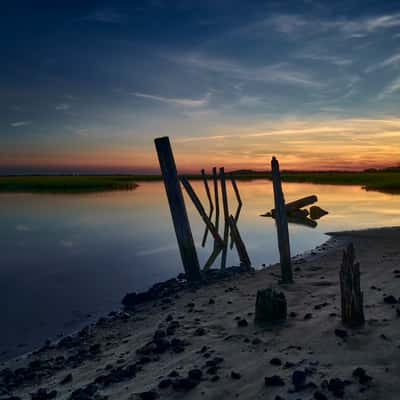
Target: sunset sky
x=85, y=86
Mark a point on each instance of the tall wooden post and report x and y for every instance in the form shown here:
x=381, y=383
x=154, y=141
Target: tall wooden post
x=210, y=202
x=226, y=216
x=178, y=210
x=281, y=224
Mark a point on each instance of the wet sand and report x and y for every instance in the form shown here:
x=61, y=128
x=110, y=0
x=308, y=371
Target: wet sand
x=204, y=344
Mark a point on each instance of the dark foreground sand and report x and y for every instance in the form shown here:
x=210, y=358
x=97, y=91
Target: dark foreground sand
x=229, y=359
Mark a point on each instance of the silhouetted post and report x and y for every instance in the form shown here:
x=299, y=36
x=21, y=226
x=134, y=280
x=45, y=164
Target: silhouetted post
x=215, y=180
x=178, y=210
x=210, y=202
x=239, y=200
x=281, y=224
x=351, y=295
x=240, y=246
x=226, y=216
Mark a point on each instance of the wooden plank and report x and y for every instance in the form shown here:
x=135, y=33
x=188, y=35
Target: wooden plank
x=239, y=200
x=205, y=181
x=240, y=246
x=226, y=216
x=216, y=199
x=178, y=210
x=281, y=224
x=197, y=203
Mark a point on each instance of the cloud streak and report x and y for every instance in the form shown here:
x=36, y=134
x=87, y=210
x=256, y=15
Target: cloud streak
x=184, y=102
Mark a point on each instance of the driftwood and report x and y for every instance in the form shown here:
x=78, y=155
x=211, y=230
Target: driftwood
x=295, y=206
x=317, y=212
x=270, y=306
x=351, y=295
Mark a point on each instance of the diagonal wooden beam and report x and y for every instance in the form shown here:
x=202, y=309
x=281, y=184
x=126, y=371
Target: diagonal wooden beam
x=203, y=174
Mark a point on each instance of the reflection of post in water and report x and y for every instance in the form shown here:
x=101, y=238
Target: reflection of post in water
x=216, y=199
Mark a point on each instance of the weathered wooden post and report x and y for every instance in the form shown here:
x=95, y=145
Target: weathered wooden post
x=216, y=199
x=240, y=246
x=351, y=295
x=239, y=200
x=226, y=216
x=281, y=224
x=210, y=202
x=178, y=210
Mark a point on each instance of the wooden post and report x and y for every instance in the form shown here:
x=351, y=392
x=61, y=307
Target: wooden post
x=351, y=295
x=178, y=210
x=270, y=306
x=216, y=199
x=203, y=174
x=240, y=246
x=239, y=200
x=281, y=224
x=226, y=216
x=197, y=203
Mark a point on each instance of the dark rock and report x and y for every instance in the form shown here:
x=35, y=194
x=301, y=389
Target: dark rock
x=184, y=384
x=299, y=379
x=242, y=322
x=341, y=333
x=173, y=374
x=43, y=394
x=66, y=379
x=274, y=380
x=149, y=395
x=336, y=386
x=275, y=361
x=235, y=375
x=199, y=332
x=195, y=374
x=362, y=376
x=390, y=300
x=165, y=383
x=319, y=396
x=211, y=301
x=307, y=316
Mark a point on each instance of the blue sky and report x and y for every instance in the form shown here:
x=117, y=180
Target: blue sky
x=88, y=85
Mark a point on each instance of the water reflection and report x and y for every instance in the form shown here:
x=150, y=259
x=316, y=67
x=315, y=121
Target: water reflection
x=66, y=257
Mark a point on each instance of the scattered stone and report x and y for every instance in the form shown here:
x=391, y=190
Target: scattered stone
x=235, y=375
x=149, y=395
x=390, y=300
x=319, y=396
x=195, y=374
x=165, y=383
x=362, y=376
x=43, y=394
x=66, y=379
x=199, y=332
x=242, y=322
x=274, y=380
x=341, y=333
x=299, y=379
x=307, y=316
x=275, y=361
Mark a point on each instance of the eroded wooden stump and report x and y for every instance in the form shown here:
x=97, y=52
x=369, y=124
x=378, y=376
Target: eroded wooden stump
x=270, y=306
x=351, y=295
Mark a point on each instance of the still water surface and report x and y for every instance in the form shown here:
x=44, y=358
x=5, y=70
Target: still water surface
x=66, y=259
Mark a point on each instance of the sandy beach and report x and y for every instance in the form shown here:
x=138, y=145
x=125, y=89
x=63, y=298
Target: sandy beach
x=203, y=343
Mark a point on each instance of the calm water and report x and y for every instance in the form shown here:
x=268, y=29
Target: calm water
x=66, y=259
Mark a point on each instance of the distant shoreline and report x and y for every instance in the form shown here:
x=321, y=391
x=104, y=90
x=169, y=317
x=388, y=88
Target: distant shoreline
x=386, y=181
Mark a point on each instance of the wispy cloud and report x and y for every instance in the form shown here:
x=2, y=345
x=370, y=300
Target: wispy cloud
x=105, y=15
x=393, y=60
x=18, y=124
x=280, y=73
x=185, y=102
x=63, y=107
x=391, y=88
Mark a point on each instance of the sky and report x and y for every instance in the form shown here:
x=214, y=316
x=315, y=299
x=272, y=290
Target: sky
x=86, y=86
